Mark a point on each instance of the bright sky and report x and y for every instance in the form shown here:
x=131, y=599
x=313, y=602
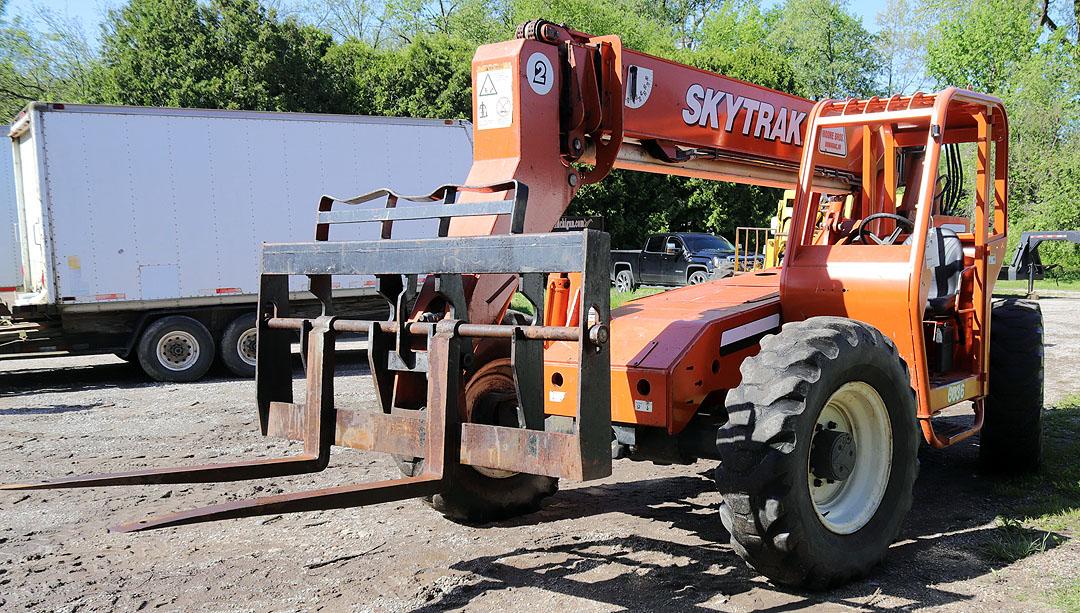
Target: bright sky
x=91, y=12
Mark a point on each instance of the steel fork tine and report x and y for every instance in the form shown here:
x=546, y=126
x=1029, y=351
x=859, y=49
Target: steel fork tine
x=205, y=473
x=340, y=497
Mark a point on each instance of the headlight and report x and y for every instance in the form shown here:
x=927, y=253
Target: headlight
x=716, y=261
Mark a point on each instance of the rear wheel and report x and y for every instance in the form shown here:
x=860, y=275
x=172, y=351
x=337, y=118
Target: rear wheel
x=176, y=349
x=820, y=453
x=624, y=281
x=476, y=494
x=1011, y=437
x=238, y=346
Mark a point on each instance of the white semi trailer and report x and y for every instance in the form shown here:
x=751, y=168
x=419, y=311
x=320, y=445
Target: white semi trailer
x=138, y=229
x=10, y=270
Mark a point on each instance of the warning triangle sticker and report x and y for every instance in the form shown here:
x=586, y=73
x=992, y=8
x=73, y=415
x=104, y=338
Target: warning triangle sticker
x=488, y=88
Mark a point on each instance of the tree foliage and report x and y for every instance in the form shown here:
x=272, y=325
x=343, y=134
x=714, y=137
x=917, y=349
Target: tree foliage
x=36, y=66
x=1028, y=55
x=225, y=54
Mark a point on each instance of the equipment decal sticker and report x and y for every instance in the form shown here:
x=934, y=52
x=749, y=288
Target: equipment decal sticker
x=540, y=75
x=639, y=82
x=495, y=97
x=833, y=141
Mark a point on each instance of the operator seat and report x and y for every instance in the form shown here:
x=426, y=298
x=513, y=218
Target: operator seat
x=943, y=247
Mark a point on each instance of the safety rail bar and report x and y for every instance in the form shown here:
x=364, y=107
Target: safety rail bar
x=449, y=208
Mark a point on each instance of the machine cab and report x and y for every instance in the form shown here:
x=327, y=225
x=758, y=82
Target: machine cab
x=914, y=250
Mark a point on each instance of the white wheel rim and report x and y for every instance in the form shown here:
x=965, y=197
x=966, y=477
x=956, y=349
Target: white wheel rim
x=245, y=346
x=697, y=278
x=177, y=350
x=622, y=283
x=846, y=506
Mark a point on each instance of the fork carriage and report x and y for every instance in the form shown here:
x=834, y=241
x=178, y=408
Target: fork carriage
x=432, y=349
x=575, y=448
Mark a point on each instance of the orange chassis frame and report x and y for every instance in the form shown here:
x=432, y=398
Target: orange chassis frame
x=674, y=353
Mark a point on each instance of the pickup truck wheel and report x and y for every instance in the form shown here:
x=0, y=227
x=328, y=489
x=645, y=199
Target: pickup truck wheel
x=696, y=277
x=238, y=346
x=819, y=456
x=478, y=495
x=176, y=349
x=1011, y=437
x=624, y=281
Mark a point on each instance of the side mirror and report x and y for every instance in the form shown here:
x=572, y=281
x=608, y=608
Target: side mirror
x=671, y=250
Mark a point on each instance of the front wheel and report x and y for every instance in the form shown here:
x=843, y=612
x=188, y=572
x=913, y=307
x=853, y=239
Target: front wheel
x=476, y=494
x=697, y=277
x=819, y=456
x=624, y=281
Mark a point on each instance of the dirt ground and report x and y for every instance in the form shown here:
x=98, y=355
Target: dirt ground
x=648, y=538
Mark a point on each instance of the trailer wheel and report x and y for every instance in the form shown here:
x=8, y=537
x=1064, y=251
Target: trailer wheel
x=237, y=348
x=624, y=281
x=176, y=349
x=819, y=455
x=479, y=495
x=1011, y=437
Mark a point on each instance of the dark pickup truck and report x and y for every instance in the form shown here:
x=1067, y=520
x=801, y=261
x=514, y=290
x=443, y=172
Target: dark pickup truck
x=676, y=258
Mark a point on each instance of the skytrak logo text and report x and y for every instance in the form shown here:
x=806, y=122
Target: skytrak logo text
x=763, y=120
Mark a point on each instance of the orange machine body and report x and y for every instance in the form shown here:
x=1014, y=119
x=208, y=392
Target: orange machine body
x=555, y=98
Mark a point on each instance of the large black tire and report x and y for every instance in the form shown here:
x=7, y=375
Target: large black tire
x=765, y=449
x=1011, y=437
x=237, y=348
x=176, y=349
x=474, y=495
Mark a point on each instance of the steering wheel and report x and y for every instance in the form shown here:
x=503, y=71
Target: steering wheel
x=902, y=223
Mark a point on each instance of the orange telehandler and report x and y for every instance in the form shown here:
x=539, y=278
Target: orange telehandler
x=813, y=384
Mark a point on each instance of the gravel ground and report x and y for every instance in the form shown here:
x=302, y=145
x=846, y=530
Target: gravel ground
x=647, y=538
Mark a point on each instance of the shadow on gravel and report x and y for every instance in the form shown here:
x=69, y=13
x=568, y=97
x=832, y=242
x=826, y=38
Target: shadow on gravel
x=949, y=536
x=33, y=381
x=51, y=409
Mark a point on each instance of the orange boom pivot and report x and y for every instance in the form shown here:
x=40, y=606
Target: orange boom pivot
x=812, y=384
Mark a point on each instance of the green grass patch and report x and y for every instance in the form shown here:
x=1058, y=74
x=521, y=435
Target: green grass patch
x=1049, y=500
x=1020, y=287
x=1066, y=597
x=1056, y=278
x=620, y=298
x=520, y=303
x=1014, y=541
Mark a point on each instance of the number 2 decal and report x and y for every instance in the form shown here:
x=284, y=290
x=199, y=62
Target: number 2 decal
x=539, y=74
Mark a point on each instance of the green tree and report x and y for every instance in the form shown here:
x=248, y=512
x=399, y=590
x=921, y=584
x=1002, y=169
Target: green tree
x=429, y=77
x=1010, y=49
x=832, y=53
x=902, y=45
x=225, y=54
x=979, y=43
x=1043, y=101
x=41, y=66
